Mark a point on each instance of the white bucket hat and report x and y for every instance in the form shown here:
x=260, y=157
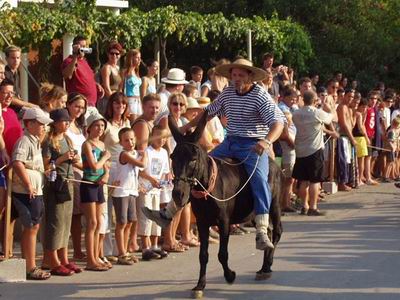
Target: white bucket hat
x=175, y=76
x=241, y=63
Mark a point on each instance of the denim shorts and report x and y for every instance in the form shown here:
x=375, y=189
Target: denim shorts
x=30, y=211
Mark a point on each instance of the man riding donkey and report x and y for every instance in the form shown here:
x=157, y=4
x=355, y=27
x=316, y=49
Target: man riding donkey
x=254, y=123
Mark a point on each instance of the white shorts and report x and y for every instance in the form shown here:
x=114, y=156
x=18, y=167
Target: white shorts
x=135, y=105
x=147, y=227
x=105, y=225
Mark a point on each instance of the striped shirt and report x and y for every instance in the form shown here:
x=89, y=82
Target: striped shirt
x=250, y=114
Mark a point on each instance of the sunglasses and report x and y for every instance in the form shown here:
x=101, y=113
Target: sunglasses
x=178, y=103
x=114, y=53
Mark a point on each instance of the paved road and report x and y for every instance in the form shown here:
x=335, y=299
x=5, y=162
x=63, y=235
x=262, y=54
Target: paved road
x=352, y=253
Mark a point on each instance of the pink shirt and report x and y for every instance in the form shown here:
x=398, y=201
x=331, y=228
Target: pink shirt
x=12, y=129
x=82, y=80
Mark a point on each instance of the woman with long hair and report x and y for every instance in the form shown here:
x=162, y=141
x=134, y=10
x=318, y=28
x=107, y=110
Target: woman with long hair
x=149, y=81
x=76, y=106
x=110, y=74
x=131, y=83
x=52, y=97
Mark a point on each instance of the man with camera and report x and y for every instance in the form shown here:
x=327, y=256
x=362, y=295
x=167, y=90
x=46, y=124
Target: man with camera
x=78, y=75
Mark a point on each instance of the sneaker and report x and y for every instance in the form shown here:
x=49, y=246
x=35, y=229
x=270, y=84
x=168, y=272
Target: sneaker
x=156, y=216
x=263, y=242
x=160, y=252
x=149, y=255
x=315, y=212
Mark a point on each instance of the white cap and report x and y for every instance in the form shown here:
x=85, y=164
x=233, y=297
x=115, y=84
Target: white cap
x=35, y=113
x=175, y=76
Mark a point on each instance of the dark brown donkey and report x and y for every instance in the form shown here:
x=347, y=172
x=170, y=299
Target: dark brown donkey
x=192, y=165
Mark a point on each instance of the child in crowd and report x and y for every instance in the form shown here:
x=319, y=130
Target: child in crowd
x=124, y=198
x=196, y=74
x=157, y=169
x=95, y=173
x=58, y=152
x=362, y=139
x=391, y=143
x=27, y=185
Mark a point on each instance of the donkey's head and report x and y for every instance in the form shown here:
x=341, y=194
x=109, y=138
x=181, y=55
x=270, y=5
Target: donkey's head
x=189, y=160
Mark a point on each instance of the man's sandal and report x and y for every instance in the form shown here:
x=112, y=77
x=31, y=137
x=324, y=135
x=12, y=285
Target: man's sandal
x=37, y=274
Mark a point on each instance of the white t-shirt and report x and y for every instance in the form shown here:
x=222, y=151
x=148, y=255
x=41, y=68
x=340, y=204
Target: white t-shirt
x=157, y=166
x=127, y=175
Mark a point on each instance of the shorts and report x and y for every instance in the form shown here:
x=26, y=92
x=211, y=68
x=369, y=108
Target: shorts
x=125, y=209
x=3, y=182
x=371, y=150
x=361, y=146
x=146, y=227
x=30, y=211
x=135, y=105
x=390, y=156
x=165, y=195
x=310, y=168
x=77, y=195
x=91, y=193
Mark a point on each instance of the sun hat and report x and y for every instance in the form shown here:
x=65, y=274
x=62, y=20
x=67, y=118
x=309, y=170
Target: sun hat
x=241, y=63
x=93, y=118
x=175, y=76
x=192, y=103
x=35, y=113
x=60, y=115
x=203, y=101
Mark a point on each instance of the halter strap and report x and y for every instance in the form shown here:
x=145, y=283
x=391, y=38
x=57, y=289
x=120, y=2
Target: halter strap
x=211, y=182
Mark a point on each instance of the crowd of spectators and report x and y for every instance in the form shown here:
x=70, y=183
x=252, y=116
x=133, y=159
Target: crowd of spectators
x=99, y=150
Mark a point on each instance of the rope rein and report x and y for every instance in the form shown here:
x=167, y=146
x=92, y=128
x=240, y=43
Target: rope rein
x=237, y=193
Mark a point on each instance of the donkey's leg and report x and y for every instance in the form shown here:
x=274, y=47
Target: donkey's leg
x=223, y=251
x=197, y=291
x=266, y=271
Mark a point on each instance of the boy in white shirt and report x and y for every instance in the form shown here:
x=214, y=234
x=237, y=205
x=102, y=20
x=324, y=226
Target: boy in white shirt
x=124, y=198
x=156, y=171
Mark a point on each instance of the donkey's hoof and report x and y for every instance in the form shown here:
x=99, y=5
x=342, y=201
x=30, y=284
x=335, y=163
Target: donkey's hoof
x=230, y=277
x=197, y=294
x=260, y=275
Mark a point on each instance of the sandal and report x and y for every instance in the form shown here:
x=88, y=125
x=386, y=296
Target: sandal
x=183, y=246
x=97, y=268
x=61, y=271
x=174, y=248
x=37, y=274
x=191, y=243
x=73, y=267
x=125, y=260
x=104, y=261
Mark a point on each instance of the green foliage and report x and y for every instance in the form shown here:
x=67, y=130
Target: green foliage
x=35, y=26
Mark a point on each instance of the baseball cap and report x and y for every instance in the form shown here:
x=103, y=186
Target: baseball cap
x=35, y=113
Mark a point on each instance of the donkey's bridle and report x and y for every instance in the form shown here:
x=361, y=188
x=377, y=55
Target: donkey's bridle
x=192, y=180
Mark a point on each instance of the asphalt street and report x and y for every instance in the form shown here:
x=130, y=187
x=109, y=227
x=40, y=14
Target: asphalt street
x=351, y=253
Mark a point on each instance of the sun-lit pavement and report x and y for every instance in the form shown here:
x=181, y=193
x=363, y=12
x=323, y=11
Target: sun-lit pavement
x=352, y=253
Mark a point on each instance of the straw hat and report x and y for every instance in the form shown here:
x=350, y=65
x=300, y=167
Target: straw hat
x=241, y=63
x=192, y=103
x=203, y=101
x=175, y=76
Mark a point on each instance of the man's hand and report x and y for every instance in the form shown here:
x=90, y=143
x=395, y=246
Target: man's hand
x=76, y=52
x=261, y=146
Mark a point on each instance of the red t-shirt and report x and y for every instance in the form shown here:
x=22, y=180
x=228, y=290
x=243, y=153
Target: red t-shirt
x=82, y=80
x=12, y=129
x=370, y=122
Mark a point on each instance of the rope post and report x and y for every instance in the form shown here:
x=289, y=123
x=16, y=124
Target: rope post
x=7, y=220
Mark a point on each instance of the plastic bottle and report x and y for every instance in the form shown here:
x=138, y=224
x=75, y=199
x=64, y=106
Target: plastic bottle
x=53, y=172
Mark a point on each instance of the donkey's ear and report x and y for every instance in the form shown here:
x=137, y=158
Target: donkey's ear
x=173, y=127
x=196, y=135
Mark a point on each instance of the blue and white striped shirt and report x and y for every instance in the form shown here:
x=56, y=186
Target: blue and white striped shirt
x=250, y=114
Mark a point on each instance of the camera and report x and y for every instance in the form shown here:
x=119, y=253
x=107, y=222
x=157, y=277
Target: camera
x=86, y=50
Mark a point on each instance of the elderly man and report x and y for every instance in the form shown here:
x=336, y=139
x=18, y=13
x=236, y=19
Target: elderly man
x=254, y=123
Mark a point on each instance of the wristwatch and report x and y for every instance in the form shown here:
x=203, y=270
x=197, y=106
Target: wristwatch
x=269, y=143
